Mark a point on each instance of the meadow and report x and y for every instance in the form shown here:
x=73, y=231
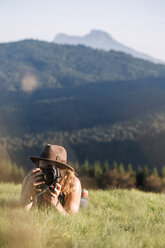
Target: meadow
x=114, y=218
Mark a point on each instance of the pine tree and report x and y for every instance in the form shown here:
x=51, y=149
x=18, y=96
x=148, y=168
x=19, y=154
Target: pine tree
x=85, y=167
x=146, y=170
x=163, y=171
x=106, y=167
x=114, y=166
x=139, y=168
x=155, y=171
x=130, y=170
x=76, y=167
x=97, y=170
x=140, y=178
x=121, y=169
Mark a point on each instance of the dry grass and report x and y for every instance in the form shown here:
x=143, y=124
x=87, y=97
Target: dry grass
x=118, y=218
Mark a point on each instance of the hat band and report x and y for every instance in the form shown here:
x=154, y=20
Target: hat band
x=58, y=159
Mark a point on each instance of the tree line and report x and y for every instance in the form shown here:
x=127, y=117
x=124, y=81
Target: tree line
x=118, y=176
x=100, y=176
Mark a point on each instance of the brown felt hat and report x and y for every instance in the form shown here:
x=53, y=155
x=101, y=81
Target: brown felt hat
x=54, y=153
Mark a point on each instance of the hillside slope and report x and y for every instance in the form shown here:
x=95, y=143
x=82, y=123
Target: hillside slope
x=50, y=65
x=114, y=122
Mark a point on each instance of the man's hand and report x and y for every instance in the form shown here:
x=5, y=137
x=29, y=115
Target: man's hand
x=51, y=196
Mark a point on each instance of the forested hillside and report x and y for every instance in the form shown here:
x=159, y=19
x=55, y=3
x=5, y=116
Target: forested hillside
x=55, y=65
x=99, y=105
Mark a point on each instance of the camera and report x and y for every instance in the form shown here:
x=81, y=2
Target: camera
x=51, y=175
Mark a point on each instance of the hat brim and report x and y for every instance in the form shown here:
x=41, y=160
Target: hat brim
x=58, y=163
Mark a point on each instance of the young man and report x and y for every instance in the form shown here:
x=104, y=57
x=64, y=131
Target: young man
x=65, y=195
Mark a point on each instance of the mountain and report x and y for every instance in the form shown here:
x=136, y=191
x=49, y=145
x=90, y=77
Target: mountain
x=99, y=105
x=98, y=39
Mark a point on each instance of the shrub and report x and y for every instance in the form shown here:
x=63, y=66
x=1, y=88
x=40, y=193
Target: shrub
x=11, y=172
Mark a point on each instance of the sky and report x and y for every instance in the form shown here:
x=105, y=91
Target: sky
x=139, y=24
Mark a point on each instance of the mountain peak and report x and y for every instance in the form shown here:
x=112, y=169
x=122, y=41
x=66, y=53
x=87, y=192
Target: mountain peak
x=99, y=34
x=102, y=40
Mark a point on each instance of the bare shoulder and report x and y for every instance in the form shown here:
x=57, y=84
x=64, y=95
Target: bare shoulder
x=77, y=184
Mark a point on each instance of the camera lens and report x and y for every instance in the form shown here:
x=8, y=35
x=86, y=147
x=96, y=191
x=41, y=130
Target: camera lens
x=50, y=174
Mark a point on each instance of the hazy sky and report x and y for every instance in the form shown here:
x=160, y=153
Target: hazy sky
x=139, y=24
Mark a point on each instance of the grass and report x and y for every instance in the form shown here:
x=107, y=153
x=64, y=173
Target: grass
x=116, y=218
